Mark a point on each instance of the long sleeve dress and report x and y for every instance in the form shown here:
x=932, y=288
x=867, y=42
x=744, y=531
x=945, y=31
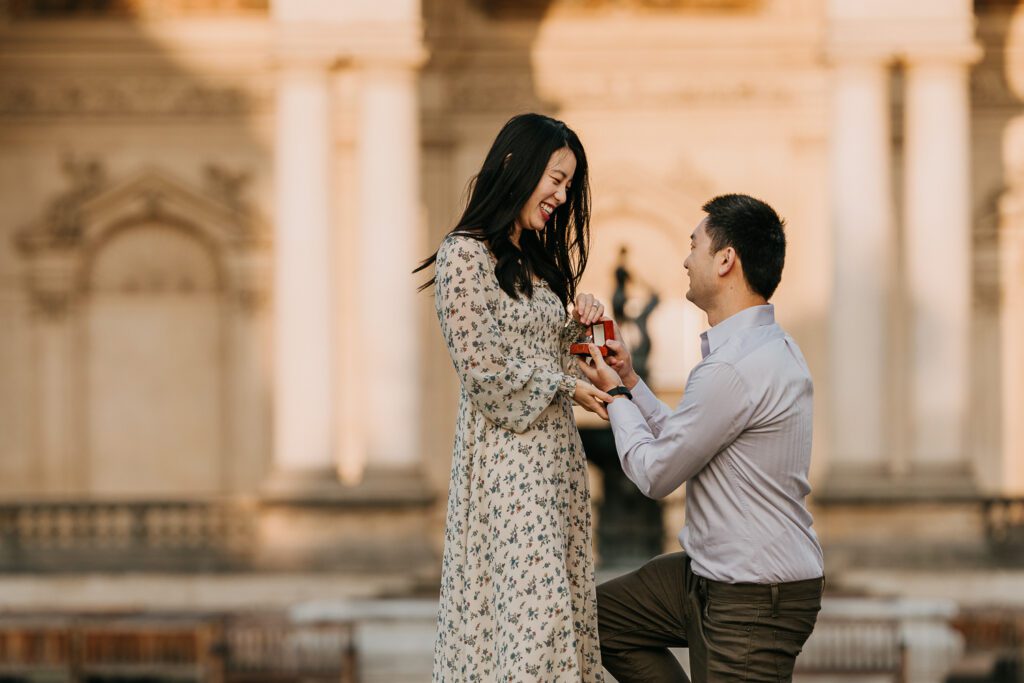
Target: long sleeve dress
x=518, y=601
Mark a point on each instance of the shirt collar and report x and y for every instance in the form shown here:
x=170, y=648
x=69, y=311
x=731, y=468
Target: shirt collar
x=755, y=316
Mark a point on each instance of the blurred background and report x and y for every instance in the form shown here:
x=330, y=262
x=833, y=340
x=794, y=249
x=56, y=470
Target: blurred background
x=226, y=416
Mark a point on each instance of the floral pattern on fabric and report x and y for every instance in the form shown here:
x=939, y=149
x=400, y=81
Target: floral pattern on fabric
x=517, y=579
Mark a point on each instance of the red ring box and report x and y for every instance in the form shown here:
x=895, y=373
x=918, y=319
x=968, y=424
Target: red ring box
x=600, y=332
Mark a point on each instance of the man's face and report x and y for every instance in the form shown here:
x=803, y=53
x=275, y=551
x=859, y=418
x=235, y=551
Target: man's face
x=700, y=267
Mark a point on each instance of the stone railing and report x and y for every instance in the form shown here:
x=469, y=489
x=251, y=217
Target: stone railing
x=855, y=640
x=59, y=536
x=855, y=647
x=202, y=648
x=898, y=640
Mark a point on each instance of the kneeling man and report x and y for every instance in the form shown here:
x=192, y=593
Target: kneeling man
x=745, y=593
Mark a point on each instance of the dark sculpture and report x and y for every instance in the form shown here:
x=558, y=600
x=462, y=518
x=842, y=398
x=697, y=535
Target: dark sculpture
x=641, y=346
x=629, y=529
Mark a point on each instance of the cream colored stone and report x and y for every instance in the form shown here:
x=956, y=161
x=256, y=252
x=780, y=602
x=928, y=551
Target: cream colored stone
x=937, y=243
x=354, y=127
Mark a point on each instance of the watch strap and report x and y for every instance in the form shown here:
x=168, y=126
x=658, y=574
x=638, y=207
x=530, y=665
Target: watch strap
x=620, y=391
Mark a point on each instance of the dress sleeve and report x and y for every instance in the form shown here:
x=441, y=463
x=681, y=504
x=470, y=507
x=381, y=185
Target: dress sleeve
x=510, y=392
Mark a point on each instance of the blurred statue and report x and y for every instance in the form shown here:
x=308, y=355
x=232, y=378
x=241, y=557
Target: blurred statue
x=634, y=327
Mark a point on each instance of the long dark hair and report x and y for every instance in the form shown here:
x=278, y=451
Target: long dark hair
x=511, y=172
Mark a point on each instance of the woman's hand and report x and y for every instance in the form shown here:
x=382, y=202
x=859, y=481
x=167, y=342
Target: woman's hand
x=588, y=310
x=592, y=399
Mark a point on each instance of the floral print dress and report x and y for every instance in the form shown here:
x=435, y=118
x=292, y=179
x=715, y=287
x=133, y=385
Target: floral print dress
x=518, y=600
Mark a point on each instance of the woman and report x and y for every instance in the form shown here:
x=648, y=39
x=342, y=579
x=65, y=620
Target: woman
x=517, y=588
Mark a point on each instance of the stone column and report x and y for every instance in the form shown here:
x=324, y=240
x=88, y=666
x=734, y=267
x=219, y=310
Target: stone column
x=304, y=437
x=373, y=525
x=938, y=254
x=391, y=241
x=250, y=388
x=52, y=289
x=1010, y=470
x=864, y=240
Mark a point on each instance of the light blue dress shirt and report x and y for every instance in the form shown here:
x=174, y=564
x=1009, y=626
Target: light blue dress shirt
x=741, y=441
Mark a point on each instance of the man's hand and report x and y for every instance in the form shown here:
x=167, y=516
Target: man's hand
x=588, y=310
x=621, y=361
x=592, y=399
x=600, y=373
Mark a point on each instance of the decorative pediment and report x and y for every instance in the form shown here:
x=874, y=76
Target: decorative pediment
x=82, y=222
x=84, y=215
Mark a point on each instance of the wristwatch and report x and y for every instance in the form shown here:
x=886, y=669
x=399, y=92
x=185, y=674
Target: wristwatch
x=620, y=391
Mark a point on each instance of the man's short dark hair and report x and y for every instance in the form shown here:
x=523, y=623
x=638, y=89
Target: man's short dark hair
x=755, y=231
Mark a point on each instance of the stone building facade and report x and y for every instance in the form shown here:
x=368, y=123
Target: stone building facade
x=213, y=353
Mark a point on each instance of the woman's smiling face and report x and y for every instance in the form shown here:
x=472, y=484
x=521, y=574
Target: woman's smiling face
x=550, y=192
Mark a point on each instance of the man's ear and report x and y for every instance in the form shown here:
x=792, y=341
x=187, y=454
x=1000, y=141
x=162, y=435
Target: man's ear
x=727, y=260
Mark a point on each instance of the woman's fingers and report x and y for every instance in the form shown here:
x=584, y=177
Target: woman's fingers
x=588, y=309
x=595, y=406
x=596, y=400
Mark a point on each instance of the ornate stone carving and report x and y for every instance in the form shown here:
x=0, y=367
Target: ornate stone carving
x=990, y=88
x=150, y=196
x=227, y=185
x=537, y=8
x=110, y=94
x=41, y=9
x=500, y=90
x=51, y=306
x=63, y=218
x=83, y=216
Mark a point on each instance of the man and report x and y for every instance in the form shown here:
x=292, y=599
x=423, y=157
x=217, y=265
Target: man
x=745, y=593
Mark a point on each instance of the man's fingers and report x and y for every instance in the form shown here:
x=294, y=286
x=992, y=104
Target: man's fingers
x=590, y=373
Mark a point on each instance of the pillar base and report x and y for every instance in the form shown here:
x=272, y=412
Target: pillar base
x=863, y=485
x=928, y=519
x=308, y=520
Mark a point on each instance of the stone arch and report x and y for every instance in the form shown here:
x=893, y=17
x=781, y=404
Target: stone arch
x=653, y=220
x=160, y=287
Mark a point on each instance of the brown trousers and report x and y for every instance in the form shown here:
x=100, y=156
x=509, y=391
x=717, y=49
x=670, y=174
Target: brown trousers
x=735, y=632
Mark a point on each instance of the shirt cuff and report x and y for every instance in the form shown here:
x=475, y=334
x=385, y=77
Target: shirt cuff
x=624, y=415
x=644, y=398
